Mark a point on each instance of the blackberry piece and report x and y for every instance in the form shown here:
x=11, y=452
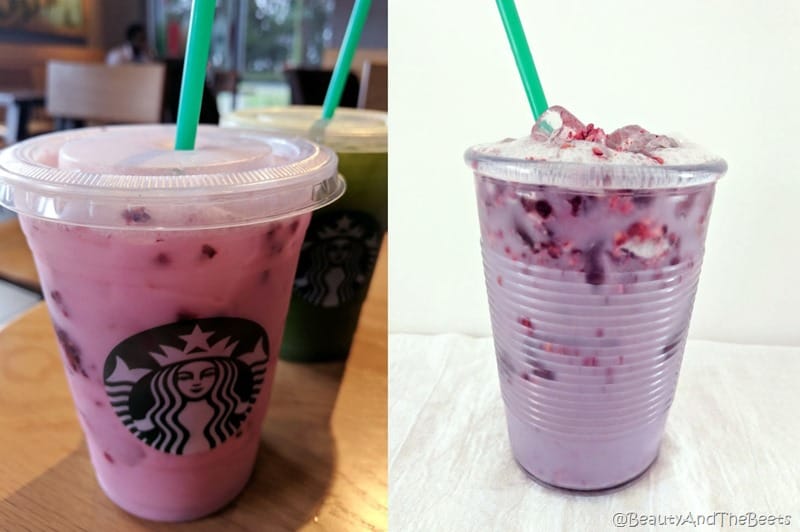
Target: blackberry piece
x=595, y=272
x=540, y=207
x=581, y=204
x=526, y=237
x=71, y=351
x=58, y=299
x=272, y=232
x=136, y=215
x=575, y=202
x=208, y=251
x=543, y=208
x=542, y=372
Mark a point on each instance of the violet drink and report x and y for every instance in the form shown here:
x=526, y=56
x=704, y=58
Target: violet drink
x=592, y=247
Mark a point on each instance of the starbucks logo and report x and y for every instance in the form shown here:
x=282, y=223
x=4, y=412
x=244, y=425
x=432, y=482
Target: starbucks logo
x=186, y=387
x=337, y=259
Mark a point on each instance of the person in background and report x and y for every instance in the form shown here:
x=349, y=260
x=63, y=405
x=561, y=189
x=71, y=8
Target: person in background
x=135, y=49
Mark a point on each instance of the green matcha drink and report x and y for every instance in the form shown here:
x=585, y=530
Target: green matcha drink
x=343, y=240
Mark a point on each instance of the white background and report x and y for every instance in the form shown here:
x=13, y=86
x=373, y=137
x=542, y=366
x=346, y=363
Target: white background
x=724, y=74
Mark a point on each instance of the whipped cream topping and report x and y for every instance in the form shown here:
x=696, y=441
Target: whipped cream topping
x=558, y=136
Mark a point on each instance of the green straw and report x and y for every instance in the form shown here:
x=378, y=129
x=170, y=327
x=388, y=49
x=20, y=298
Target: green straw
x=523, y=57
x=348, y=49
x=194, y=73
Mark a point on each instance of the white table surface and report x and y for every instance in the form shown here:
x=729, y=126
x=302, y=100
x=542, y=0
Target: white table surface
x=732, y=444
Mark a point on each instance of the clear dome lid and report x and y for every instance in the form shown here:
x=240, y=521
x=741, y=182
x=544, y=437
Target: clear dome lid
x=96, y=176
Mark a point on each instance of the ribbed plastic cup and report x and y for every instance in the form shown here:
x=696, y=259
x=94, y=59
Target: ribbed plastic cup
x=591, y=273
x=343, y=241
x=167, y=275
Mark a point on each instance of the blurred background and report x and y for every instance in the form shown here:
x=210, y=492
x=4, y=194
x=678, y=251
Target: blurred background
x=254, y=43
x=69, y=63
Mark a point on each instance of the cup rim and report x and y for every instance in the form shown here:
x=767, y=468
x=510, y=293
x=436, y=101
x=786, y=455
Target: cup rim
x=594, y=177
x=349, y=131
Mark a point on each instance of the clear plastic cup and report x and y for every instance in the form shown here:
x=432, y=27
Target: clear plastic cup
x=167, y=275
x=343, y=241
x=591, y=272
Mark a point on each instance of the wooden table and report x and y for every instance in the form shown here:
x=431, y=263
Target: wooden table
x=322, y=463
x=19, y=103
x=16, y=262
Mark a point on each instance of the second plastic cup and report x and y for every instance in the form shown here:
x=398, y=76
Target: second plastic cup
x=591, y=272
x=167, y=275
x=343, y=241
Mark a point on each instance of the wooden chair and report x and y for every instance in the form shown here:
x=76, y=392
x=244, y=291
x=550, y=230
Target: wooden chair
x=107, y=94
x=308, y=87
x=362, y=55
x=373, y=92
x=226, y=81
x=209, y=114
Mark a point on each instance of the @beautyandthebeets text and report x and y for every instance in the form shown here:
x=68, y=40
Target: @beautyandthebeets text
x=691, y=519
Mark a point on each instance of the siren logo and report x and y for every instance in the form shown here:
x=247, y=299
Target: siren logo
x=337, y=259
x=186, y=387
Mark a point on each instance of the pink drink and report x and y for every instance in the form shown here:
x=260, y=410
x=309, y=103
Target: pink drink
x=592, y=249
x=169, y=298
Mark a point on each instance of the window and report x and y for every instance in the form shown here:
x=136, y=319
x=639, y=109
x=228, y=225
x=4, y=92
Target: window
x=282, y=33
x=258, y=38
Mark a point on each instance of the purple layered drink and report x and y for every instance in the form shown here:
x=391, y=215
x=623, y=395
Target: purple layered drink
x=592, y=247
x=168, y=276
